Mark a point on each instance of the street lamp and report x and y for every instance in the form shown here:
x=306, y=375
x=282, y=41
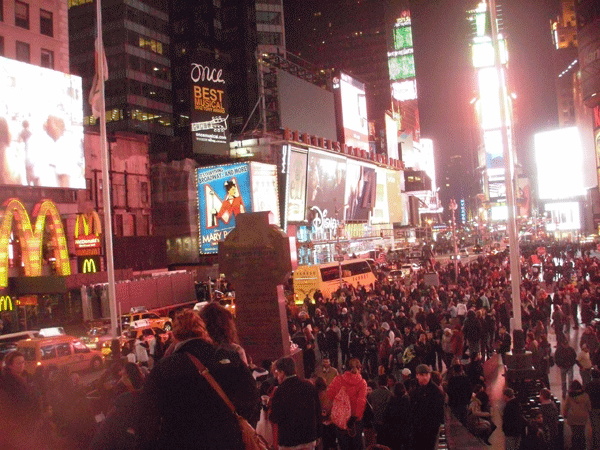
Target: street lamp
x=453, y=207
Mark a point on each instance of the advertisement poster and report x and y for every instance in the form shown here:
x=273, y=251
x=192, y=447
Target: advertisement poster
x=394, y=196
x=381, y=212
x=223, y=193
x=325, y=193
x=296, y=191
x=209, y=115
x=352, y=107
x=265, y=196
x=361, y=187
x=41, y=127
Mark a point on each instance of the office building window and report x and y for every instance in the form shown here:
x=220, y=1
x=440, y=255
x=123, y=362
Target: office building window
x=144, y=192
x=1, y=45
x=46, y=25
x=47, y=59
x=118, y=225
x=267, y=38
x=89, y=189
x=23, y=50
x=268, y=17
x=1, y=10
x=22, y=14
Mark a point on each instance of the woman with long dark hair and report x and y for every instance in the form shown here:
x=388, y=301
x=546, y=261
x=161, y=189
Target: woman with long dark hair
x=221, y=328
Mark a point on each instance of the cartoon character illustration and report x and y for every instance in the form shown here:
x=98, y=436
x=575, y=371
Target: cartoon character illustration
x=232, y=204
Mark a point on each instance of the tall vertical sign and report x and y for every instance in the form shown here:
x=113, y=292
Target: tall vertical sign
x=209, y=115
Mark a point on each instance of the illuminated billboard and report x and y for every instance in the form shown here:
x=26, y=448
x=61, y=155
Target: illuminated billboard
x=559, y=162
x=226, y=191
x=361, y=187
x=41, y=127
x=296, y=187
x=326, y=189
x=209, y=115
x=381, y=211
x=351, y=103
x=563, y=216
x=394, y=196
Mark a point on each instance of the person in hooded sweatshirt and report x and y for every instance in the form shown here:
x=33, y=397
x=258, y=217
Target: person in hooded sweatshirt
x=577, y=412
x=356, y=388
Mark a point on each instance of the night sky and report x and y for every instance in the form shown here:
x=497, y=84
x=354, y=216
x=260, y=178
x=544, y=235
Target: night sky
x=445, y=77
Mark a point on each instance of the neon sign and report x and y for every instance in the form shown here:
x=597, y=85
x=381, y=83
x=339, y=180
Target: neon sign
x=6, y=303
x=31, y=239
x=88, y=228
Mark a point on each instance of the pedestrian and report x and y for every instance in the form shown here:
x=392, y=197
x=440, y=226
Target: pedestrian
x=326, y=371
x=295, y=409
x=513, y=422
x=565, y=358
x=426, y=410
x=396, y=421
x=593, y=391
x=356, y=389
x=585, y=364
x=459, y=392
x=551, y=419
x=327, y=426
x=179, y=408
x=141, y=351
x=503, y=343
x=379, y=400
x=479, y=421
x=577, y=412
x=222, y=330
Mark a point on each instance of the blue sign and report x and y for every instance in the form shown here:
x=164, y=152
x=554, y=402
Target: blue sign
x=223, y=193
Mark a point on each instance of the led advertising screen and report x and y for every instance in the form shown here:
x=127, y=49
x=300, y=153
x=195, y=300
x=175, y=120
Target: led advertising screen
x=381, y=211
x=559, y=162
x=326, y=189
x=404, y=90
x=494, y=154
x=402, y=35
x=563, y=216
x=402, y=66
x=223, y=193
x=394, y=190
x=523, y=197
x=351, y=102
x=209, y=115
x=361, y=187
x=41, y=127
x=265, y=195
x=296, y=187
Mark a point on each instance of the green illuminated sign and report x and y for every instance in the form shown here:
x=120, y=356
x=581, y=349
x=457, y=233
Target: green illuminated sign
x=402, y=67
x=403, y=38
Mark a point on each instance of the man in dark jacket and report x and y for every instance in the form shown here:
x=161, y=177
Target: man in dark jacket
x=295, y=408
x=427, y=410
x=472, y=332
x=180, y=409
x=513, y=422
x=565, y=358
x=593, y=391
x=459, y=393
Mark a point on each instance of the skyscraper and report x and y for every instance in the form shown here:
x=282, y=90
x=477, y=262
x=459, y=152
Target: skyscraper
x=137, y=45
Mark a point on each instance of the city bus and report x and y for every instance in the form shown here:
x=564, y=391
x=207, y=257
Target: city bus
x=326, y=277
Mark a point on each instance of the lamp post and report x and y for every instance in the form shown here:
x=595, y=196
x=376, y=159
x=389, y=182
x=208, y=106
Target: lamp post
x=453, y=207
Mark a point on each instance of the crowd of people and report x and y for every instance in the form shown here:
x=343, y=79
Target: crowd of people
x=379, y=362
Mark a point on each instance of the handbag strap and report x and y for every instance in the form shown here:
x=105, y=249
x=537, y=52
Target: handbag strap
x=206, y=374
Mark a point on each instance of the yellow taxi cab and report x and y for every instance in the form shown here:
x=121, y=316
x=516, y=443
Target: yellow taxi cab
x=57, y=352
x=164, y=323
x=142, y=328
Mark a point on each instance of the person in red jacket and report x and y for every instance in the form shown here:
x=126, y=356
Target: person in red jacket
x=356, y=388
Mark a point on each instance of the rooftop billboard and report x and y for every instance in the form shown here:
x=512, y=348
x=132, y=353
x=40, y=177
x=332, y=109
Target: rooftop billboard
x=41, y=127
x=351, y=102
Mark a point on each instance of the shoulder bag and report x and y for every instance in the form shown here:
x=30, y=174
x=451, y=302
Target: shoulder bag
x=252, y=440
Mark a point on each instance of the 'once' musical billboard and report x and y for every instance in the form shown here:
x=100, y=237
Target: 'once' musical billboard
x=209, y=115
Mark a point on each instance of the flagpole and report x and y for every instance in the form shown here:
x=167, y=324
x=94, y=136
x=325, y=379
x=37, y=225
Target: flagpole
x=110, y=266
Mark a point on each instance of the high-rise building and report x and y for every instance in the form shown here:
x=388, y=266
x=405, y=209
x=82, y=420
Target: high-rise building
x=137, y=45
x=35, y=33
x=346, y=35
x=566, y=67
